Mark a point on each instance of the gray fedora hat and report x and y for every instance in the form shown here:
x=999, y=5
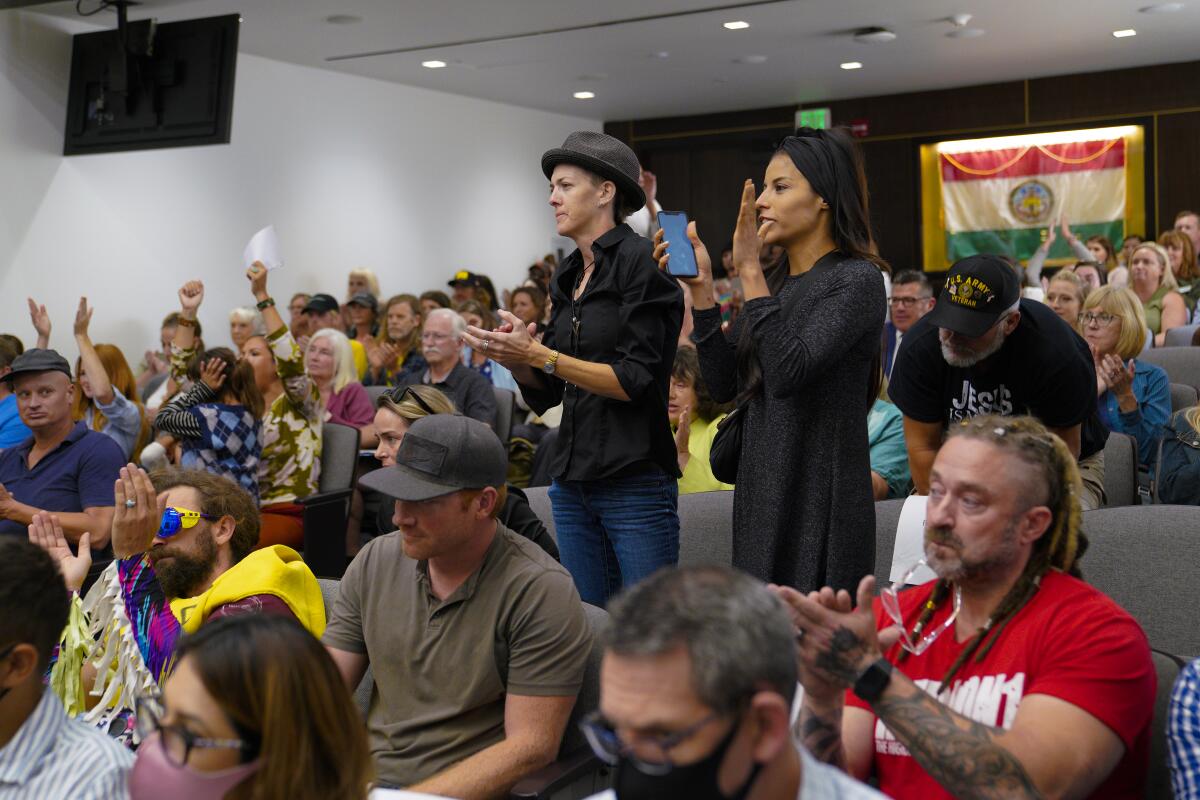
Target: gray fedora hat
x=608, y=157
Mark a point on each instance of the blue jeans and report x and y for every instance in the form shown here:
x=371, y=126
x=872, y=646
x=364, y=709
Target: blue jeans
x=614, y=532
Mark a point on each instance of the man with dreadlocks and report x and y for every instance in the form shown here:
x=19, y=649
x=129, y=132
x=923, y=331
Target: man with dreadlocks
x=1008, y=676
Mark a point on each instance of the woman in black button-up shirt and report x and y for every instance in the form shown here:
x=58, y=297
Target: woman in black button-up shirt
x=606, y=356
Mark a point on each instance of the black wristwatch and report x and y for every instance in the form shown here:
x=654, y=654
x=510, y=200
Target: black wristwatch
x=875, y=679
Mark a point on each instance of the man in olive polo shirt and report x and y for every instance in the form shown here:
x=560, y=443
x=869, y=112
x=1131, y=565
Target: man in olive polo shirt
x=476, y=637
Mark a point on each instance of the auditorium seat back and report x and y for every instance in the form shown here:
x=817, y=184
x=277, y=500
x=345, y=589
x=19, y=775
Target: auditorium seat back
x=1120, y=470
x=1182, y=364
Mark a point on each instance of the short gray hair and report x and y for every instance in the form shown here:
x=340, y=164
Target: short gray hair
x=457, y=324
x=737, y=634
x=250, y=316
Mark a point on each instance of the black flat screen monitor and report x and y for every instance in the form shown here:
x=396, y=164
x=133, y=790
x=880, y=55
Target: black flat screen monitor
x=148, y=86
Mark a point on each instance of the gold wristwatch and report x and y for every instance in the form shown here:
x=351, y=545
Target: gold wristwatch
x=551, y=364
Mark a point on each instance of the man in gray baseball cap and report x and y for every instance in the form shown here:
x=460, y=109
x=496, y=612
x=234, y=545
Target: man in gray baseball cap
x=476, y=637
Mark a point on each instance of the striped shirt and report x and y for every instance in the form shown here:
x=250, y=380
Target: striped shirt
x=54, y=757
x=1183, y=733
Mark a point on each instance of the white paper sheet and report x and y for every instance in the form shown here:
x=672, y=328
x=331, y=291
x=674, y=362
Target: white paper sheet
x=910, y=542
x=264, y=247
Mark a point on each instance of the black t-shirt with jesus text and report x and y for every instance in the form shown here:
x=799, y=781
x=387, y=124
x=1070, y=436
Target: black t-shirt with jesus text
x=1044, y=369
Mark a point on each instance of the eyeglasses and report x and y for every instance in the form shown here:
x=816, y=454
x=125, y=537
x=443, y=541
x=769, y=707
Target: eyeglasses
x=889, y=598
x=908, y=302
x=178, y=742
x=176, y=519
x=1102, y=319
x=609, y=748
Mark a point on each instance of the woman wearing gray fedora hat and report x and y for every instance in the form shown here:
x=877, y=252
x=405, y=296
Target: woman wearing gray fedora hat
x=606, y=356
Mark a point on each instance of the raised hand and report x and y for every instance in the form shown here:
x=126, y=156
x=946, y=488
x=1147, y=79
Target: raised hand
x=212, y=373
x=138, y=512
x=46, y=532
x=1050, y=237
x=257, y=275
x=41, y=323
x=1066, y=228
x=747, y=236
x=703, y=277
x=83, y=317
x=191, y=295
x=649, y=184
x=683, y=431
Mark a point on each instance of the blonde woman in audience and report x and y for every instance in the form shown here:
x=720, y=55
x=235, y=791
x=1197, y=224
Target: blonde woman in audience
x=1154, y=284
x=1182, y=256
x=1134, y=396
x=1179, y=471
x=107, y=393
x=291, y=426
x=330, y=363
x=695, y=417
x=244, y=323
x=1065, y=294
x=397, y=350
x=255, y=709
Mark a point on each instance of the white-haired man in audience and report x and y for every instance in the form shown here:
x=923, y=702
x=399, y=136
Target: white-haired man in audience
x=984, y=350
x=476, y=637
x=441, y=344
x=1007, y=676
x=696, y=690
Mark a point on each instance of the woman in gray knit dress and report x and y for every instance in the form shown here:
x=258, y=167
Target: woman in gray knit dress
x=804, y=357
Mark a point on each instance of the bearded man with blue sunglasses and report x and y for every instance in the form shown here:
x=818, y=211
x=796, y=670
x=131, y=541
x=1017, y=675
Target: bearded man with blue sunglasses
x=185, y=543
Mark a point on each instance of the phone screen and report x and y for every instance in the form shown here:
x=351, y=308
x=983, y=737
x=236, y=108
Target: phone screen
x=682, y=263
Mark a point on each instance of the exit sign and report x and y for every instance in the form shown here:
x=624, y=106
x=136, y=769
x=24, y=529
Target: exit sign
x=818, y=118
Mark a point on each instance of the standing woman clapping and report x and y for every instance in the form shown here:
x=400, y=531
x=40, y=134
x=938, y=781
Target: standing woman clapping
x=803, y=360
x=607, y=356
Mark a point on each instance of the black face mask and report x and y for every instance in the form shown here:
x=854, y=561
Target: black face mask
x=691, y=782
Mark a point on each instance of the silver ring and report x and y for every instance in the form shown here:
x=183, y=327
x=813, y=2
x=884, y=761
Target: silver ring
x=130, y=503
x=487, y=343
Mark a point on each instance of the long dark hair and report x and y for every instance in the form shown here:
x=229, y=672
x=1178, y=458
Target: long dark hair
x=832, y=164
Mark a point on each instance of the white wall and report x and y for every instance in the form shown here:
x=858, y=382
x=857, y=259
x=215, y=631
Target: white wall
x=352, y=172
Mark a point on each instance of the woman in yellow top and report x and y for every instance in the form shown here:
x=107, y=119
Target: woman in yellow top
x=695, y=416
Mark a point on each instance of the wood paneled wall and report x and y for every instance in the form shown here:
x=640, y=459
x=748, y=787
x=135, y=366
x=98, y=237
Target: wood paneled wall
x=701, y=161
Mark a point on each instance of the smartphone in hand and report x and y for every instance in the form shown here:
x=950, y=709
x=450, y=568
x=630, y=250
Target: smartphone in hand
x=682, y=262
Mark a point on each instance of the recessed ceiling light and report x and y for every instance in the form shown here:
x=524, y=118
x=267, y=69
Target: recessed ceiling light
x=584, y=95
x=433, y=64
x=737, y=25
x=966, y=33
x=1161, y=8
x=752, y=59
x=1123, y=34
x=874, y=35
x=851, y=65
x=342, y=19
x=661, y=54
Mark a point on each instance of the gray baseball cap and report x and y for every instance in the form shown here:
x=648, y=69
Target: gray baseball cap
x=36, y=360
x=441, y=454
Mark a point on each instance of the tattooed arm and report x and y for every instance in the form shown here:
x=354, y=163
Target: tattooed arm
x=971, y=760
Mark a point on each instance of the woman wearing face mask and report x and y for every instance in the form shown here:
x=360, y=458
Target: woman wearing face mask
x=802, y=360
x=255, y=710
x=607, y=356
x=396, y=352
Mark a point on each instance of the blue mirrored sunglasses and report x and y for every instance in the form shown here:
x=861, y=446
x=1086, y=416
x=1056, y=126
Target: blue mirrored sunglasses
x=176, y=519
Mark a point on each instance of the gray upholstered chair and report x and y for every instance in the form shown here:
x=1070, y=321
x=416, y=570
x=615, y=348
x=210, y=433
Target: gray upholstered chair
x=1181, y=336
x=506, y=403
x=1147, y=558
x=327, y=513
x=1158, y=780
x=376, y=392
x=539, y=501
x=1120, y=470
x=1183, y=396
x=887, y=517
x=1181, y=363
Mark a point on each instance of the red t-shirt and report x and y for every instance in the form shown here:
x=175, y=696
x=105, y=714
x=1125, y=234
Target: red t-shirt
x=1069, y=641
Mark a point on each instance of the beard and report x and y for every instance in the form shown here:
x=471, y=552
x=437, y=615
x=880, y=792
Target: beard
x=958, y=569
x=963, y=358
x=185, y=572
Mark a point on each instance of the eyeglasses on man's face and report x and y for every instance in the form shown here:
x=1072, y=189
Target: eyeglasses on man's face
x=907, y=302
x=608, y=746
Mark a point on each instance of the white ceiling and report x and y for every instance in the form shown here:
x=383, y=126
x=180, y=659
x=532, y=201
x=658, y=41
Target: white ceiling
x=804, y=41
